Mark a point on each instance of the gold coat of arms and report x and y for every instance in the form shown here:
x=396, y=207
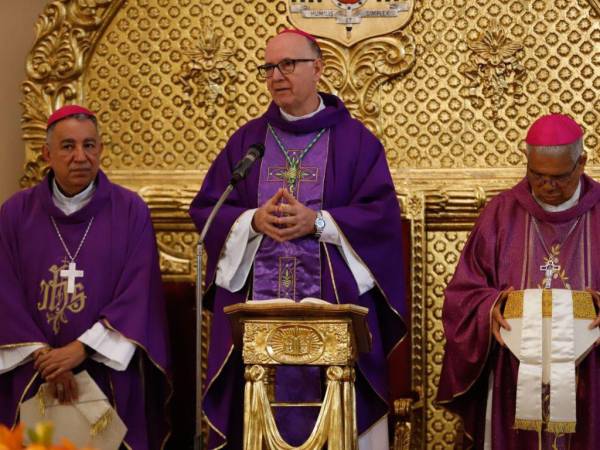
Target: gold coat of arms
x=350, y=21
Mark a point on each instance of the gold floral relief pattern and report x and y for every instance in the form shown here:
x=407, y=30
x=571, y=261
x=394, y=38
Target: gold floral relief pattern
x=357, y=74
x=596, y=5
x=176, y=250
x=432, y=122
x=208, y=77
x=65, y=33
x=174, y=79
x=153, y=59
x=443, y=429
x=495, y=70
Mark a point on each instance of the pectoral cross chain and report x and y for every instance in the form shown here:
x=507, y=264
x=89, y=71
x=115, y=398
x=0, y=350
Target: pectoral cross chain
x=71, y=273
x=294, y=172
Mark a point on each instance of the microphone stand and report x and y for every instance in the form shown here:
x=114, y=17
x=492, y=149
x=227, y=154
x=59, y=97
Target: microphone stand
x=199, y=438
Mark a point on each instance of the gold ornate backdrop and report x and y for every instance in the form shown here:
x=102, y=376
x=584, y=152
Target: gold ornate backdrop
x=451, y=95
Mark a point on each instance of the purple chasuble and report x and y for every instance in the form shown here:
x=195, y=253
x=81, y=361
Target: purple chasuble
x=120, y=286
x=291, y=269
x=511, y=245
x=359, y=194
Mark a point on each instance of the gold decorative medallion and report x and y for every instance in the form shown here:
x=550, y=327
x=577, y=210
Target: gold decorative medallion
x=295, y=344
x=350, y=21
x=495, y=71
x=57, y=301
x=208, y=75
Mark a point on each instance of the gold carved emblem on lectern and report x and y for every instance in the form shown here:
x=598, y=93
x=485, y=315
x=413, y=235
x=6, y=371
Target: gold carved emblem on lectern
x=350, y=21
x=295, y=344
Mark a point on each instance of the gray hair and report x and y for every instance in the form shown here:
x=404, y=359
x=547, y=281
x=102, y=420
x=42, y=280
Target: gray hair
x=79, y=116
x=575, y=149
x=316, y=49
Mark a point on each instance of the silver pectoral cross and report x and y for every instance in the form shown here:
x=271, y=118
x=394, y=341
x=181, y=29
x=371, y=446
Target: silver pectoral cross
x=70, y=275
x=549, y=270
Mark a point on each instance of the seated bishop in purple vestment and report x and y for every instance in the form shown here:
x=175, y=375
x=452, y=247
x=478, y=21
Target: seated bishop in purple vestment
x=551, y=217
x=80, y=288
x=316, y=217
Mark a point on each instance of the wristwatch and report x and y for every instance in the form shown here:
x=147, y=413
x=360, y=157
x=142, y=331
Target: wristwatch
x=319, y=225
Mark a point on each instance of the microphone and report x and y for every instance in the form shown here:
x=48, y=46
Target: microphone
x=256, y=151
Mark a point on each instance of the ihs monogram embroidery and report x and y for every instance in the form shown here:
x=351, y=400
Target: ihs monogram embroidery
x=56, y=299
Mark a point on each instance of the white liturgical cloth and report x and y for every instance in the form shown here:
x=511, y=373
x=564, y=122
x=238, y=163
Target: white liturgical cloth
x=90, y=421
x=555, y=339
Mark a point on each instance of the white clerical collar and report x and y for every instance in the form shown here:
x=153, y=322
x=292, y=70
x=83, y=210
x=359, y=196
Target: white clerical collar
x=70, y=205
x=563, y=206
x=291, y=118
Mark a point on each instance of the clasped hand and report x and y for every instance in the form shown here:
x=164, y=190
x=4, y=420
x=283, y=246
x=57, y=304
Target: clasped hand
x=56, y=365
x=284, y=218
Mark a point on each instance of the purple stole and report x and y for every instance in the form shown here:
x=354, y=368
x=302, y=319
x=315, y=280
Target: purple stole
x=291, y=269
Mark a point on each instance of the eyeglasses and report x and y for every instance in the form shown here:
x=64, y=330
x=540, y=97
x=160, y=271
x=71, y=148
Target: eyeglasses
x=285, y=66
x=561, y=179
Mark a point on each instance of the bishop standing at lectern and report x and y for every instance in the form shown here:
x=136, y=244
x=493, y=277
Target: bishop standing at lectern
x=317, y=217
x=541, y=237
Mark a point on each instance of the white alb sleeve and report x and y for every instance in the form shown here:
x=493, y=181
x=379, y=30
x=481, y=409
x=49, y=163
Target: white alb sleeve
x=16, y=356
x=331, y=235
x=112, y=349
x=238, y=254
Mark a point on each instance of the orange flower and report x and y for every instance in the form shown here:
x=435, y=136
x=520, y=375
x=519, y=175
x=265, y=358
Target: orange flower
x=11, y=440
x=41, y=436
x=65, y=444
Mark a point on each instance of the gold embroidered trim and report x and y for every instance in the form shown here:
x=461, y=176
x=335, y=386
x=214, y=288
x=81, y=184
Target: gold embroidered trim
x=335, y=291
x=514, y=305
x=531, y=425
x=561, y=427
x=41, y=398
x=21, y=344
x=583, y=305
x=25, y=391
x=102, y=423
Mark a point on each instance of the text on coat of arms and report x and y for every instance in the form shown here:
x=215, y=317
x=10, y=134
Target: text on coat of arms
x=350, y=21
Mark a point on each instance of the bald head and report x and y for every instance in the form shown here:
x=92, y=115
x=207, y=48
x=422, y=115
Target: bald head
x=290, y=39
x=293, y=83
x=310, y=40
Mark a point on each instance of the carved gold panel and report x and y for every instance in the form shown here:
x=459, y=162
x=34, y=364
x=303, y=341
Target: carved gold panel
x=304, y=342
x=451, y=95
x=443, y=251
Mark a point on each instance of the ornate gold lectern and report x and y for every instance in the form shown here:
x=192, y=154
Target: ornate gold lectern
x=281, y=333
